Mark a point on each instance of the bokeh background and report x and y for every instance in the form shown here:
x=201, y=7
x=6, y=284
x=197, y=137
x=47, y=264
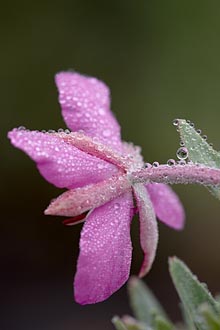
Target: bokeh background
x=161, y=61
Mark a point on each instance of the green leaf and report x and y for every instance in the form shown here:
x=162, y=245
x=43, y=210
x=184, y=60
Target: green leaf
x=118, y=323
x=192, y=293
x=187, y=319
x=199, y=151
x=213, y=322
x=160, y=323
x=143, y=303
x=128, y=323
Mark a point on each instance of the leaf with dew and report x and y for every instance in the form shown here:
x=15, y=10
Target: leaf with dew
x=199, y=150
x=143, y=303
x=129, y=323
x=192, y=293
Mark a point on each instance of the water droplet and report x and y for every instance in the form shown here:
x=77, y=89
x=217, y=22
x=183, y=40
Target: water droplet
x=51, y=131
x=182, y=162
x=101, y=111
x=100, y=147
x=116, y=206
x=182, y=144
x=155, y=164
x=182, y=153
x=192, y=124
x=175, y=122
x=60, y=130
x=112, y=188
x=171, y=162
x=199, y=131
x=147, y=165
x=106, y=133
x=21, y=128
x=67, y=131
x=205, y=137
x=95, y=139
x=43, y=131
x=100, y=166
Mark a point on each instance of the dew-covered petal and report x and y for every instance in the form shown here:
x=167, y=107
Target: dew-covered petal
x=60, y=163
x=85, y=103
x=105, y=251
x=76, y=201
x=148, y=227
x=167, y=205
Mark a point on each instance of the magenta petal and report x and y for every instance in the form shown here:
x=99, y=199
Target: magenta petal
x=148, y=227
x=60, y=163
x=76, y=201
x=105, y=251
x=85, y=103
x=167, y=205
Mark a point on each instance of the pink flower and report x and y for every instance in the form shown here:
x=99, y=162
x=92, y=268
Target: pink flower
x=107, y=184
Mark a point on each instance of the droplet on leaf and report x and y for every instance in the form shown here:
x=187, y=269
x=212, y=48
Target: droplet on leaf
x=182, y=153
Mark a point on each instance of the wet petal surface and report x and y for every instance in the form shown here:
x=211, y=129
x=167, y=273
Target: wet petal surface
x=76, y=201
x=60, y=163
x=105, y=251
x=148, y=227
x=85, y=103
x=167, y=205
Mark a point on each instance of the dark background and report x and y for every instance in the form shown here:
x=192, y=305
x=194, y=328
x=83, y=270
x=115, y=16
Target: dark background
x=161, y=60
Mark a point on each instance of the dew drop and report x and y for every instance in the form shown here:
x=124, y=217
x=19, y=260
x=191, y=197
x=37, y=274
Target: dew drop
x=175, y=122
x=67, y=131
x=182, y=144
x=171, y=162
x=100, y=147
x=182, y=153
x=199, y=131
x=116, y=206
x=51, y=131
x=112, y=188
x=147, y=165
x=100, y=166
x=205, y=137
x=106, y=133
x=155, y=164
x=60, y=130
x=182, y=162
x=101, y=111
x=21, y=128
x=95, y=139
x=43, y=131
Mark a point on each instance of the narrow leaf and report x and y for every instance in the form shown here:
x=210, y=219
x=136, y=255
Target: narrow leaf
x=199, y=151
x=192, y=293
x=160, y=323
x=133, y=324
x=118, y=323
x=143, y=303
x=213, y=322
x=128, y=323
x=187, y=318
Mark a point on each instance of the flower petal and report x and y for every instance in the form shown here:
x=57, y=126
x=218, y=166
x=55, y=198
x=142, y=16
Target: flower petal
x=167, y=205
x=105, y=251
x=148, y=227
x=60, y=163
x=76, y=201
x=85, y=104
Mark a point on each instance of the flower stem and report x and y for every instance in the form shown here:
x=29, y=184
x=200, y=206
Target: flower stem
x=188, y=173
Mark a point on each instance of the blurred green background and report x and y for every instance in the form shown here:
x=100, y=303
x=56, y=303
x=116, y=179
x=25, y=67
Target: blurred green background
x=161, y=61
